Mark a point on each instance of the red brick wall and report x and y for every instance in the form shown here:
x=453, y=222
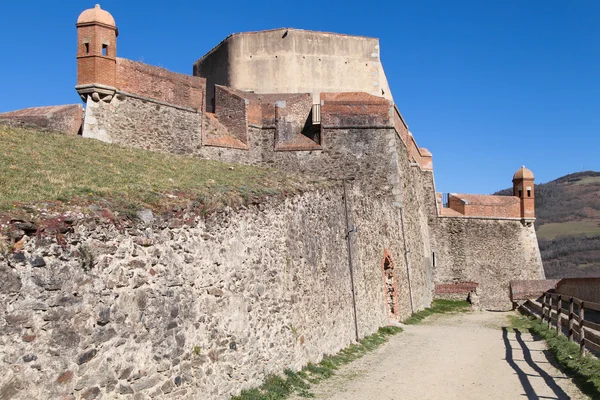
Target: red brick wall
x=531, y=289
x=455, y=288
x=98, y=70
x=231, y=111
x=160, y=84
x=401, y=128
x=93, y=67
x=355, y=109
x=420, y=156
x=587, y=289
x=66, y=119
x=456, y=204
x=512, y=210
x=486, y=206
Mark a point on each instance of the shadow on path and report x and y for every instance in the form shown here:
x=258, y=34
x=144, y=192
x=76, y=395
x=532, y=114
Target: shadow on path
x=523, y=376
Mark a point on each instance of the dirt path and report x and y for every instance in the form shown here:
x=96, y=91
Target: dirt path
x=465, y=356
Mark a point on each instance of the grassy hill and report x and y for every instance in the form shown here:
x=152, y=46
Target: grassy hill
x=568, y=224
x=60, y=171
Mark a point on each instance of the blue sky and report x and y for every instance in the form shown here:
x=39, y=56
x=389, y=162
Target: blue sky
x=485, y=85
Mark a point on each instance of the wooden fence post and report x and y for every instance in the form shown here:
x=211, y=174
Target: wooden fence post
x=581, y=330
x=549, y=311
x=543, y=306
x=559, y=315
x=571, y=319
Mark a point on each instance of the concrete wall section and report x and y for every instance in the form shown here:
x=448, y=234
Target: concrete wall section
x=295, y=61
x=486, y=251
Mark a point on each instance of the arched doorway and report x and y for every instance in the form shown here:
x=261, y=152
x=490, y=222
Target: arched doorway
x=389, y=286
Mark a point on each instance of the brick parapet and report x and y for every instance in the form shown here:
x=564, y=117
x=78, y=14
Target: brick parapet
x=483, y=206
x=455, y=288
x=530, y=289
x=160, y=84
x=231, y=112
x=355, y=110
x=586, y=289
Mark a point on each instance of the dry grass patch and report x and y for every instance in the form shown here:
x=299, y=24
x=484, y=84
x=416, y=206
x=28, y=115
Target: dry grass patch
x=573, y=228
x=38, y=167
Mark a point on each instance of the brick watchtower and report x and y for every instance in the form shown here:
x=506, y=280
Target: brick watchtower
x=523, y=188
x=96, y=54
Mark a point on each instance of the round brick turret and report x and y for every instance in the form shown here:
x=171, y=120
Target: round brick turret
x=96, y=54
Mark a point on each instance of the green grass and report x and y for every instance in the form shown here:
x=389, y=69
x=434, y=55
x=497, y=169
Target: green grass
x=36, y=167
x=278, y=387
x=585, y=370
x=572, y=228
x=439, y=306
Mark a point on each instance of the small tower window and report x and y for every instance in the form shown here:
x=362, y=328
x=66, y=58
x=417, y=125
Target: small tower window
x=105, y=50
x=87, y=48
x=528, y=192
x=520, y=193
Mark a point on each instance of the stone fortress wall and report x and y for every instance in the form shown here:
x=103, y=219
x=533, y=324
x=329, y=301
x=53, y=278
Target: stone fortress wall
x=296, y=61
x=208, y=307
x=214, y=305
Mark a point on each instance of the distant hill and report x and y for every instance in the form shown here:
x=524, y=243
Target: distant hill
x=568, y=224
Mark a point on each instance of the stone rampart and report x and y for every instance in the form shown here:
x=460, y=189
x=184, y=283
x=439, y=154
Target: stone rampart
x=67, y=119
x=134, y=122
x=211, y=306
x=296, y=61
x=490, y=252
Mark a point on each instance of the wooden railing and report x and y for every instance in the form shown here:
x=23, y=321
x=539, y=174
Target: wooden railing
x=553, y=312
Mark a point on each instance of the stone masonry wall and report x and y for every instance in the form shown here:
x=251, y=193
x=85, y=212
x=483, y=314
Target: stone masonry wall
x=143, y=124
x=194, y=311
x=490, y=252
x=415, y=198
x=376, y=158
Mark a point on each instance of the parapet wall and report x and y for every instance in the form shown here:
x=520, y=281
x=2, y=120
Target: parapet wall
x=587, y=289
x=67, y=119
x=485, y=206
x=530, y=289
x=160, y=84
x=296, y=61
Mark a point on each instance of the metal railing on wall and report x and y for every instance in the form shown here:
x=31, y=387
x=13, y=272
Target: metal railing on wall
x=445, y=200
x=579, y=329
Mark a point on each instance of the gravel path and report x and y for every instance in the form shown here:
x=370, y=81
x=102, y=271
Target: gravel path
x=464, y=356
